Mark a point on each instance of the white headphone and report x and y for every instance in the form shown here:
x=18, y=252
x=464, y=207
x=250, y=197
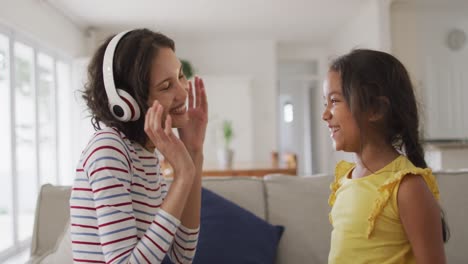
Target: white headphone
x=121, y=103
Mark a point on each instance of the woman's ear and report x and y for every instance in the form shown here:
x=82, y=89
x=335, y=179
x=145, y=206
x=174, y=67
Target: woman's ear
x=379, y=108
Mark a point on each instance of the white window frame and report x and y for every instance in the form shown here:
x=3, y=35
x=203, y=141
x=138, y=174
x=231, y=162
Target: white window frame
x=38, y=47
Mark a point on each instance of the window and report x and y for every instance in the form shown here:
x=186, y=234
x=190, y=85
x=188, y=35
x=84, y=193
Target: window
x=25, y=138
x=65, y=103
x=288, y=112
x=6, y=205
x=47, y=119
x=29, y=81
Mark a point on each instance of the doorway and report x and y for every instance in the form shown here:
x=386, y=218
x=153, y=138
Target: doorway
x=299, y=92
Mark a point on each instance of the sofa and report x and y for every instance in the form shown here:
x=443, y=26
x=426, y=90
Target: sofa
x=297, y=203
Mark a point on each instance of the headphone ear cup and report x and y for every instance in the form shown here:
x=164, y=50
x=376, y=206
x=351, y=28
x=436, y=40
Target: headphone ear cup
x=132, y=105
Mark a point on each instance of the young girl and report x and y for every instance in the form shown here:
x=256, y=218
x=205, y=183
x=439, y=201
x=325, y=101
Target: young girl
x=384, y=206
x=121, y=209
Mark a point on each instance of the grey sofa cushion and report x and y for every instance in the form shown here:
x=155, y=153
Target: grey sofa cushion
x=52, y=214
x=247, y=192
x=62, y=252
x=453, y=195
x=301, y=205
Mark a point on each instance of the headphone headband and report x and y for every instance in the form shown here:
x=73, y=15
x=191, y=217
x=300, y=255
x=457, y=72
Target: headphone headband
x=121, y=103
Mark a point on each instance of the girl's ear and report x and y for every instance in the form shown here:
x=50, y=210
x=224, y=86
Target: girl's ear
x=379, y=108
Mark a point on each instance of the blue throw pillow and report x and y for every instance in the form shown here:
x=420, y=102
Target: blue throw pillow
x=231, y=234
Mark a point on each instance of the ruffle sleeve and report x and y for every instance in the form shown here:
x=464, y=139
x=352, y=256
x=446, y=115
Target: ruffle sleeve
x=340, y=172
x=389, y=186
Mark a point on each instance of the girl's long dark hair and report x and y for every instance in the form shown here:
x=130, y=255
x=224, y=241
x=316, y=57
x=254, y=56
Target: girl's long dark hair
x=377, y=81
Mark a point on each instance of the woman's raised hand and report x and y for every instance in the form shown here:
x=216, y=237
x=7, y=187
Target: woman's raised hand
x=170, y=146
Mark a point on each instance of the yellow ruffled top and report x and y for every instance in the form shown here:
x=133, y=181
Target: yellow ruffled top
x=365, y=217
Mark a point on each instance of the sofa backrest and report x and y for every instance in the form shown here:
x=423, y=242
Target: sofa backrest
x=53, y=212
x=298, y=203
x=301, y=205
x=247, y=192
x=454, y=201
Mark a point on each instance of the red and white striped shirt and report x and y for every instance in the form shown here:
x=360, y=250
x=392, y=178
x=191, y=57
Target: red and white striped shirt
x=115, y=206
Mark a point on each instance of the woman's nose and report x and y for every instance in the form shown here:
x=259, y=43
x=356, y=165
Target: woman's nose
x=326, y=115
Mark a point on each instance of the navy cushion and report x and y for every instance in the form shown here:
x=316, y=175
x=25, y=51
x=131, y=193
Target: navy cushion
x=231, y=234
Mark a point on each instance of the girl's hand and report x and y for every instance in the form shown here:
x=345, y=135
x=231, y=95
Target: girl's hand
x=193, y=133
x=170, y=146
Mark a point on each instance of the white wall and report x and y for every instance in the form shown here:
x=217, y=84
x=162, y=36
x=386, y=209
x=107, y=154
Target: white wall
x=224, y=96
x=369, y=28
x=255, y=58
x=43, y=25
x=440, y=75
x=301, y=51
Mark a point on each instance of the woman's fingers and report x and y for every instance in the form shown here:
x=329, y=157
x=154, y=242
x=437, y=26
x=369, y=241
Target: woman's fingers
x=146, y=127
x=162, y=136
x=153, y=123
x=150, y=121
x=203, y=98
x=157, y=118
x=190, y=95
x=160, y=130
x=197, y=92
x=168, y=125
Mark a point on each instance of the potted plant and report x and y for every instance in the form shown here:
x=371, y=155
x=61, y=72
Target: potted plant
x=187, y=69
x=226, y=154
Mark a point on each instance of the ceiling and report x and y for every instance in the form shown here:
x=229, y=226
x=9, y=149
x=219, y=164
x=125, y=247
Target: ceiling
x=282, y=20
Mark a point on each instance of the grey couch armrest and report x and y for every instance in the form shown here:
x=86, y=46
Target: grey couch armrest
x=52, y=213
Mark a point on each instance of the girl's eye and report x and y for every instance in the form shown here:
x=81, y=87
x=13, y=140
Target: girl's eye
x=334, y=101
x=181, y=76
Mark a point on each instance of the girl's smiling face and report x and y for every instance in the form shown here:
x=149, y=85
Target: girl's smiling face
x=343, y=127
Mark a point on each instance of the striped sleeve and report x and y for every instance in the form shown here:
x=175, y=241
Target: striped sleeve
x=185, y=244
x=108, y=166
x=185, y=241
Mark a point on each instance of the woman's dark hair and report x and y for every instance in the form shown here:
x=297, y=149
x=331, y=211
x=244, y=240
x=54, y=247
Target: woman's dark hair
x=374, y=81
x=133, y=59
